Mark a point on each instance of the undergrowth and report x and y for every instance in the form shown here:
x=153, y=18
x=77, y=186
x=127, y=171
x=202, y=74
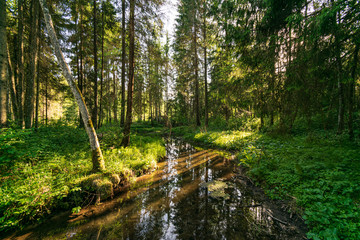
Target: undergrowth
x=320, y=171
x=41, y=170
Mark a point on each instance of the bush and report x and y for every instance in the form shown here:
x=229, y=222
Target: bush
x=39, y=170
x=320, y=170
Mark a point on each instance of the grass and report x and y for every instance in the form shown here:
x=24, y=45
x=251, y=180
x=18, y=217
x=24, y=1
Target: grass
x=44, y=170
x=320, y=171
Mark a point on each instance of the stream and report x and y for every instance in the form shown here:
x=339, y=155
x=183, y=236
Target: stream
x=194, y=194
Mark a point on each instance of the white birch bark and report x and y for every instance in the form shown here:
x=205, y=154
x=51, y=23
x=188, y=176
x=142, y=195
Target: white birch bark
x=97, y=158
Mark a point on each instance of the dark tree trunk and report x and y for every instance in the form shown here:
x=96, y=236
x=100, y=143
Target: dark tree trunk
x=205, y=71
x=11, y=83
x=272, y=79
x=197, y=102
x=38, y=78
x=95, y=107
x=37, y=91
x=122, y=118
x=46, y=101
x=109, y=98
x=20, y=65
x=102, y=68
x=81, y=79
x=126, y=139
x=3, y=64
x=352, y=90
x=31, y=72
x=167, y=85
x=115, y=97
x=341, y=106
x=150, y=106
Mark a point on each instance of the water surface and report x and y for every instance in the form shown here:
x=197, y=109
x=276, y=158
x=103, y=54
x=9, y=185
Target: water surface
x=174, y=202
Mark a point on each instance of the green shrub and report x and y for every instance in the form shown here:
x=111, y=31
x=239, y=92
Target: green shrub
x=319, y=170
x=41, y=170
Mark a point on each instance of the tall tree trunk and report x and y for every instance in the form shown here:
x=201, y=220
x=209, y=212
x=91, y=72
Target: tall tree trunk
x=126, y=139
x=197, y=102
x=31, y=72
x=271, y=105
x=38, y=75
x=341, y=99
x=102, y=67
x=156, y=100
x=205, y=71
x=122, y=118
x=37, y=82
x=167, y=81
x=95, y=107
x=97, y=158
x=159, y=107
x=109, y=98
x=3, y=64
x=81, y=79
x=115, y=97
x=11, y=83
x=352, y=89
x=46, y=101
x=150, y=104
x=140, y=92
x=20, y=64
x=341, y=107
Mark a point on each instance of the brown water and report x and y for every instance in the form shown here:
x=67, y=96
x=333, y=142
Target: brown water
x=175, y=203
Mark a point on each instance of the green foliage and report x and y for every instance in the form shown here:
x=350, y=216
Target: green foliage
x=250, y=156
x=70, y=111
x=319, y=170
x=43, y=170
x=76, y=209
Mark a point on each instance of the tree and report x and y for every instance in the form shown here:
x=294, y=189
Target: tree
x=123, y=59
x=352, y=88
x=97, y=158
x=186, y=62
x=19, y=77
x=32, y=66
x=196, y=67
x=102, y=66
x=94, y=115
x=3, y=64
x=205, y=66
x=126, y=139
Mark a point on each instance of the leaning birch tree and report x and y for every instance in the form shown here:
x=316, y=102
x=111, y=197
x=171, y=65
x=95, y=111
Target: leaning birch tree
x=97, y=157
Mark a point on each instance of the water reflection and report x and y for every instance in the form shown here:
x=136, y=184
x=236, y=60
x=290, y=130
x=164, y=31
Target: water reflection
x=173, y=204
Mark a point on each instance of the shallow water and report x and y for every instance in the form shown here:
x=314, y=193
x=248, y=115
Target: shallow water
x=174, y=202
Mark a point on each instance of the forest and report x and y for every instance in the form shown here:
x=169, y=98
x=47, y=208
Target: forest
x=95, y=95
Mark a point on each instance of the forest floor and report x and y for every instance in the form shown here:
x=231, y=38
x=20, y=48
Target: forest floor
x=50, y=169
x=318, y=173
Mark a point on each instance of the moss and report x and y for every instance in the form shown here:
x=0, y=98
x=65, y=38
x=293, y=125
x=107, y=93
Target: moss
x=115, y=179
x=90, y=124
x=137, y=164
x=98, y=160
x=87, y=182
x=104, y=188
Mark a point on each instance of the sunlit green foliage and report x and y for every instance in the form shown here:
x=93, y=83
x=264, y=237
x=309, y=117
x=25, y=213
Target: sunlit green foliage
x=38, y=170
x=319, y=171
